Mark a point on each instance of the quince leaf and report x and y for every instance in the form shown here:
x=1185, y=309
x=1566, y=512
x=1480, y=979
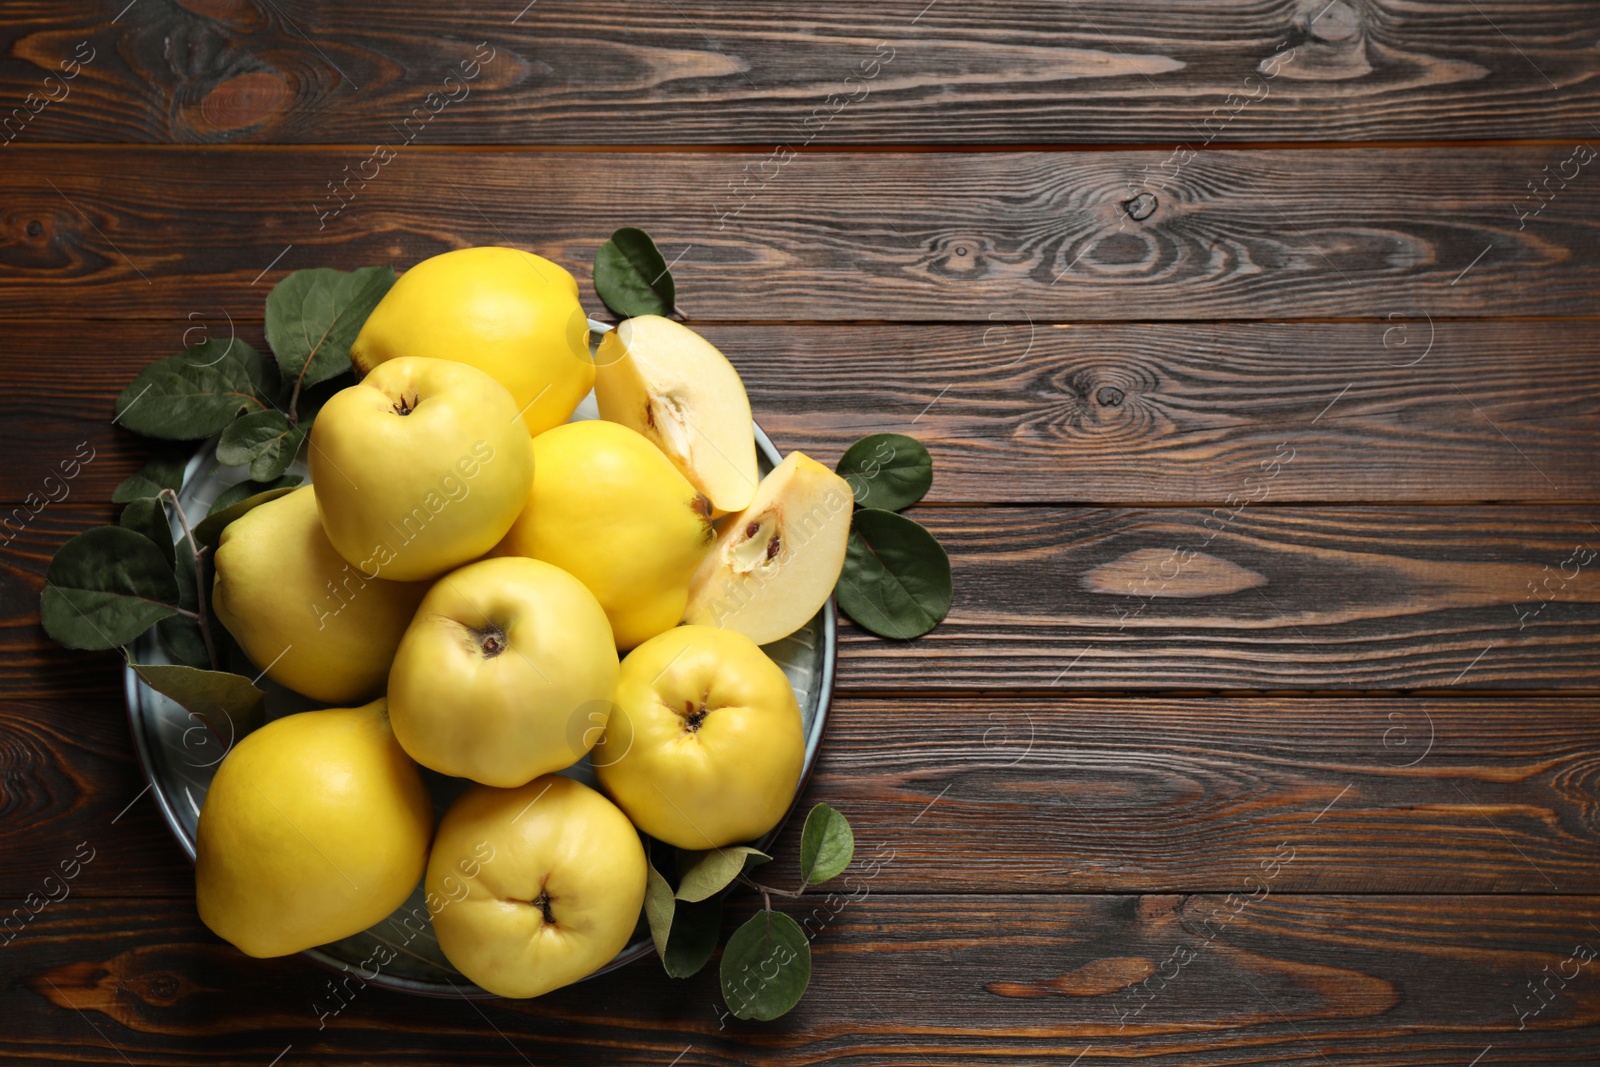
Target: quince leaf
x=180, y=635
x=181, y=638
x=260, y=369
x=229, y=705
x=263, y=439
x=887, y=470
x=896, y=578
x=313, y=316
x=826, y=845
x=695, y=928
x=105, y=587
x=659, y=905
x=631, y=275
x=707, y=873
x=244, y=490
x=190, y=396
x=161, y=472
x=770, y=942
x=147, y=516
x=684, y=932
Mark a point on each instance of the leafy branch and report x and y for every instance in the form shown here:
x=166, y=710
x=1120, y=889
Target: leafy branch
x=767, y=963
x=896, y=577
x=109, y=585
x=313, y=317
x=198, y=559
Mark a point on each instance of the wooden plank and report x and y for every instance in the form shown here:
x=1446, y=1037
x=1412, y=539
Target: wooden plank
x=988, y=238
x=1061, y=795
x=73, y=788
x=1015, y=414
x=1191, y=795
x=1284, y=980
x=1082, y=599
x=825, y=70
x=1275, y=599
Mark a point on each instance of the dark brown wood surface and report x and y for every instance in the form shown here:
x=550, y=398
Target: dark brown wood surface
x=1377, y=234
x=1096, y=599
x=825, y=71
x=1283, y=979
x=1388, y=411
x=1035, y=795
x=1263, y=727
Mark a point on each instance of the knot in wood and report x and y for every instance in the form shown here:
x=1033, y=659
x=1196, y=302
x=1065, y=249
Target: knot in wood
x=1140, y=207
x=1109, y=396
x=1336, y=22
x=961, y=255
x=35, y=228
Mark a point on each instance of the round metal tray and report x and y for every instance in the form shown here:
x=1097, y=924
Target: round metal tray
x=179, y=756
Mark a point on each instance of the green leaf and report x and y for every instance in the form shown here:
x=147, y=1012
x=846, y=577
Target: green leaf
x=161, y=472
x=180, y=635
x=259, y=368
x=263, y=439
x=105, y=587
x=188, y=396
x=887, y=470
x=659, y=906
x=245, y=490
x=183, y=573
x=706, y=873
x=209, y=532
x=685, y=933
x=695, y=928
x=631, y=275
x=228, y=704
x=826, y=845
x=147, y=516
x=766, y=966
x=896, y=579
x=313, y=316
x=181, y=638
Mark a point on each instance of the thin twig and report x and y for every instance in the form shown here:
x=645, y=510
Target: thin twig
x=199, y=614
x=768, y=889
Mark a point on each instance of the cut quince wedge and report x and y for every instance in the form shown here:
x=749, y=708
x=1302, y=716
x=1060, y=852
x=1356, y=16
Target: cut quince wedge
x=665, y=381
x=776, y=562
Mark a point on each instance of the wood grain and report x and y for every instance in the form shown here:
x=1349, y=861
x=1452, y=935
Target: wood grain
x=1184, y=795
x=1106, y=413
x=918, y=236
x=1304, y=774
x=1076, y=599
x=697, y=72
x=70, y=785
x=1352, y=599
x=996, y=796
x=1283, y=980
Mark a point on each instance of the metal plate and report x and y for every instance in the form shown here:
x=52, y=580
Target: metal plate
x=179, y=756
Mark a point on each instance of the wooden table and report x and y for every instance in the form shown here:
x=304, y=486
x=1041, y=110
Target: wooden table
x=1255, y=346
